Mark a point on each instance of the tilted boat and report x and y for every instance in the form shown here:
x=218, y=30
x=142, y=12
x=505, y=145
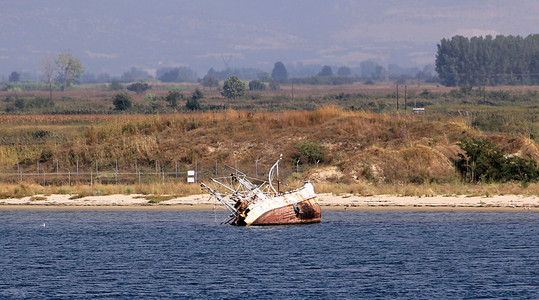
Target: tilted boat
x=263, y=204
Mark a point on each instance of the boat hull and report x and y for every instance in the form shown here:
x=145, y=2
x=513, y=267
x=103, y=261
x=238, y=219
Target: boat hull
x=304, y=212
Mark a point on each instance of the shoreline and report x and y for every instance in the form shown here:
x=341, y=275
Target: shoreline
x=328, y=202
x=202, y=207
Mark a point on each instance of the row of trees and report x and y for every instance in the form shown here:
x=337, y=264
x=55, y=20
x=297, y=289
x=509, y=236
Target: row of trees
x=123, y=101
x=488, y=61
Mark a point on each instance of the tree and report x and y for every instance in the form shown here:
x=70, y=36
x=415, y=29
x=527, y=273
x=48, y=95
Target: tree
x=264, y=77
x=139, y=87
x=122, y=101
x=192, y=103
x=326, y=72
x=48, y=68
x=257, y=85
x=69, y=69
x=344, y=71
x=14, y=77
x=233, y=88
x=173, y=98
x=181, y=74
x=279, y=73
x=135, y=75
x=210, y=81
x=115, y=85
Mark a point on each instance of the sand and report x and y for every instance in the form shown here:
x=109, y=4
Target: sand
x=327, y=202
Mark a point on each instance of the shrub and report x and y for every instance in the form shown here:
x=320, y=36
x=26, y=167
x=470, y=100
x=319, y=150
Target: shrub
x=482, y=161
x=116, y=86
x=309, y=152
x=257, y=85
x=139, y=87
x=122, y=101
x=173, y=98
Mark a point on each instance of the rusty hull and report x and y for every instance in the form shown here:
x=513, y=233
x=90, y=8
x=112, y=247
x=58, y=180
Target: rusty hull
x=305, y=212
x=297, y=207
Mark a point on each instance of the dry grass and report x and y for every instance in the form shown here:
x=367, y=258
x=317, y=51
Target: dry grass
x=374, y=153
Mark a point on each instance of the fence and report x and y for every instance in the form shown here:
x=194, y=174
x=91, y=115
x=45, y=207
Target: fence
x=168, y=172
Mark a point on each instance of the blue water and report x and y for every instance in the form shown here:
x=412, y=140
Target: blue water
x=187, y=254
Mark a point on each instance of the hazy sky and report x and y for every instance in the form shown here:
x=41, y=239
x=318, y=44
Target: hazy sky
x=114, y=35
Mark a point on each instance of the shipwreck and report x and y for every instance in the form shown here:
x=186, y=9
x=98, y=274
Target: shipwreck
x=253, y=204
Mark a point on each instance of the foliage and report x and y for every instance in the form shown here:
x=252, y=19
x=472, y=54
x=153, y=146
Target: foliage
x=193, y=103
x=279, y=73
x=122, y=101
x=487, y=61
x=309, y=152
x=197, y=94
x=257, y=85
x=181, y=74
x=27, y=105
x=325, y=72
x=325, y=80
x=139, y=87
x=173, y=98
x=150, y=97
x=482, y=161
x=115, y=85
x=14, y=77
x=69, y=69
x=264, y=77
x=233, y=88
x=344, y=71
x=209, y=81
x=135, y=74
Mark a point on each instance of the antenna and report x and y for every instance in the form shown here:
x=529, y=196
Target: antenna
x=226, y=58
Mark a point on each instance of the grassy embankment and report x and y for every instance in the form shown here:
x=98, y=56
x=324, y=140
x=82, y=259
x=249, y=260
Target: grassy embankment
x=363, y=152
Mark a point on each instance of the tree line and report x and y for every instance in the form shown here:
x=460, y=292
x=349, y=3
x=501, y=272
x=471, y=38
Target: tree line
x=503, y=60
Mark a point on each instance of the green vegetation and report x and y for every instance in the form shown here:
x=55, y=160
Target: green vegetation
x=309, y=152
x=482, y=161
x=122, y=101
x=139, y=87
x=233, y=88
x=69, y=69
x=487, y=61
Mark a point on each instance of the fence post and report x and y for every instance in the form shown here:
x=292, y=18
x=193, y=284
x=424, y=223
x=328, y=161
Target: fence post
x=69, y=176
x=176, y=169
x=91, y=177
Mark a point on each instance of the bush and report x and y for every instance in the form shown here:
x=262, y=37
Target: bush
x=173, y=98
x=122, y=101
x=309, y=152
x=139, y=87
x=116, y=86
x=257, y=85
x=482, y=161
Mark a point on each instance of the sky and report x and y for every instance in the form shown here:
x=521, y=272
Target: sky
x=111, y=36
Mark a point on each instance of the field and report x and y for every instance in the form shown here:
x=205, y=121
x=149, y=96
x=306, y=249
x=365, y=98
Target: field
x=348, y=139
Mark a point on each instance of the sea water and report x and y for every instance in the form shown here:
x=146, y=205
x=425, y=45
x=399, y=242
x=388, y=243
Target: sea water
x=188, y=254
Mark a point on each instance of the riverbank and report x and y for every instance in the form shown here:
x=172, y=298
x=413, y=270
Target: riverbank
x=327, y=202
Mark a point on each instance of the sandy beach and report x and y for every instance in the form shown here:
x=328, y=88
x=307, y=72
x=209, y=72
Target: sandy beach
x=327, y=202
